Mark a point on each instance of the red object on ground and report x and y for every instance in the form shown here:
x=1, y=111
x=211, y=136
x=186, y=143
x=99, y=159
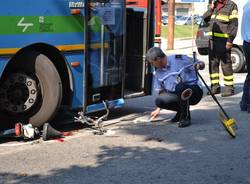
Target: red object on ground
x=18, y=129
x=63, y=134
x=67, y=133
x=60, y=139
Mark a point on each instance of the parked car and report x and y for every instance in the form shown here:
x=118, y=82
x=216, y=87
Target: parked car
x=164, y=20
x=237, y=55
x=177, y=17
x=197, y=19
x=184, y=21
x=202, y=38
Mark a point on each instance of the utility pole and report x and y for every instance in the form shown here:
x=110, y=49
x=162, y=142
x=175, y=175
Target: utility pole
x=171, y=10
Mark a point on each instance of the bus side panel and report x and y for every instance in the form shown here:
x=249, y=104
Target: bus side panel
x=34, y=21
x=79, y=90
x=77, y=78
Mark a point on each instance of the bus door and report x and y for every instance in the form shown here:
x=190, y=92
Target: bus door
x=139, y=38
x=105, y=48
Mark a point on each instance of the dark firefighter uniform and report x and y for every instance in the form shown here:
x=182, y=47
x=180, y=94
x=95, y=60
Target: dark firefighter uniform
x=223, y=25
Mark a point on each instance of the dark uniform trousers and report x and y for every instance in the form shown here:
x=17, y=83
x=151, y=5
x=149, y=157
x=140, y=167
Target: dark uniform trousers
x=245, y=100
x=219, y=54
x=172, y=100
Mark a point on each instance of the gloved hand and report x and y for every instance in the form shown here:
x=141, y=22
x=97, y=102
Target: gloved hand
x=199, y=65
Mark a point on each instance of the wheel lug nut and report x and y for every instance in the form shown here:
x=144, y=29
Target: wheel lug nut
x=31, y=100
x=33, y=91
x=29, y=83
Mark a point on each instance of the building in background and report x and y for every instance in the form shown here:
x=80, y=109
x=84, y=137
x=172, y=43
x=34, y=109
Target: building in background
x=185, y=9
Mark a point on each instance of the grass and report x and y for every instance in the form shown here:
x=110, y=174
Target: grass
x=184, y=31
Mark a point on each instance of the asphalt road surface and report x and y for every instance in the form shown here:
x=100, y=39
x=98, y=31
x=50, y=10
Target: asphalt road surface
x=136, y=151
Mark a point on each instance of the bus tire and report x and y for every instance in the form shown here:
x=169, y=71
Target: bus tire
x=45, y=82
x=238, y=61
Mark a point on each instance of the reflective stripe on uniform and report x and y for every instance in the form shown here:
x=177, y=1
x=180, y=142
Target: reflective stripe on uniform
x=230, y=77
x=229, y=83
x=229, y=80
x=221, y=17
x=225, y=17
x=215, y=81
x=221, y=35
x=215, y=75
x=233, y=17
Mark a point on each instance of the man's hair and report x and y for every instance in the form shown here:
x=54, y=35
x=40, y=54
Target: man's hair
x=154, y=53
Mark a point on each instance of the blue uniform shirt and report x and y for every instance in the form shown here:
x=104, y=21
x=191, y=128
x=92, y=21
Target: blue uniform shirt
x=176, y=70
x=245, y=26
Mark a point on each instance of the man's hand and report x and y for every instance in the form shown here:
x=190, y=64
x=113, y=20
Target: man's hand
x=199, y=65
x=229, y=45
x=155, y=113
x=212, y=6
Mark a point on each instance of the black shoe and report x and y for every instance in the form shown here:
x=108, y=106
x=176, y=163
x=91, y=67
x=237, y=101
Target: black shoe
x=214, y=91
x=176, y=118
x=228, y=91
x=184, y=122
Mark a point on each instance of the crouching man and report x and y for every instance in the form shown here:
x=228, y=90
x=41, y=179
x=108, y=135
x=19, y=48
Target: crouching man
x=176, y=83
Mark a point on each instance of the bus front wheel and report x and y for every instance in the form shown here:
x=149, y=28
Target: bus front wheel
x=31, y=92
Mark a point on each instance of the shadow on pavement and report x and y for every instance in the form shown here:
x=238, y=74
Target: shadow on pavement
x=135, y=165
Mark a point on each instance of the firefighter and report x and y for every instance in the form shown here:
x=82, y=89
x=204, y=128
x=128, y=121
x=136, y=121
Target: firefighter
x=176, y=83
x=222, y=17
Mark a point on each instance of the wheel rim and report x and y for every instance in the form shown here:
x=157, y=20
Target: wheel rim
x=235, y=60
x=18, y=93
